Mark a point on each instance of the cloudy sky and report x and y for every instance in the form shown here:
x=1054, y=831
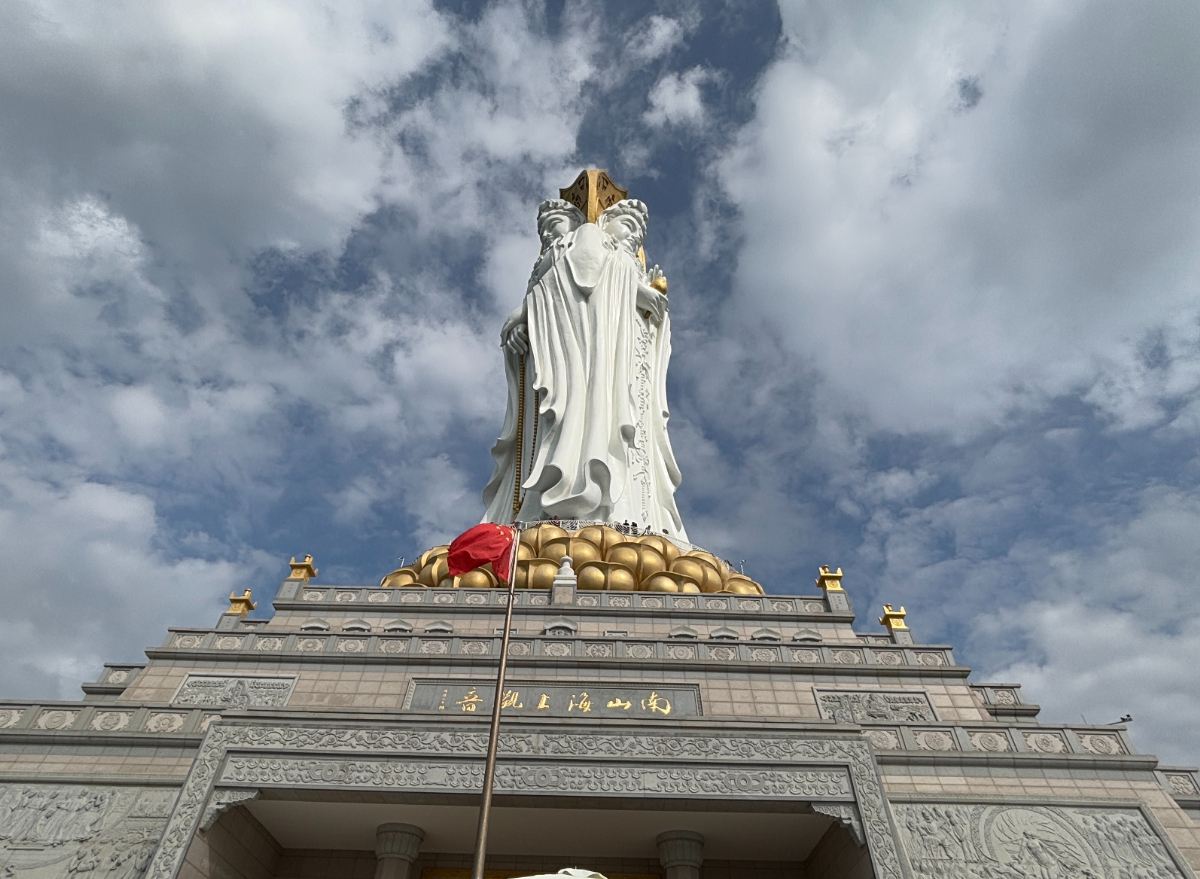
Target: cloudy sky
x=935, y=283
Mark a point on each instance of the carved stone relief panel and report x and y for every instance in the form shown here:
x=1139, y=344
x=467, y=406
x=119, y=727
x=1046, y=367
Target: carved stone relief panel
x=165, y=722
x=1046, y=742
x=70, y=830
x=1182, y=784
x=883, y=739
x=1004, y=697
x=1039, y=842
x=55, y=719
x=111, y=721
x=10, y=717
x=268, y=644
x=187, y=642
x=220, y=691
x=988, y=740
x=847, y=657
x=350, y=645
x=935, y=740
x=874, y=706
x=1102, y=744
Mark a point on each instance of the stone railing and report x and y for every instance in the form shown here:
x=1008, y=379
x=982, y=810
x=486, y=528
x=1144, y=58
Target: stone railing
x=340, y=646
x=42, y=717
x=296, y=592
x=1094, y=741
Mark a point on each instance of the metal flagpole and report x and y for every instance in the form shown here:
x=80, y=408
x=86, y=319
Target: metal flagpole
x=489, y=767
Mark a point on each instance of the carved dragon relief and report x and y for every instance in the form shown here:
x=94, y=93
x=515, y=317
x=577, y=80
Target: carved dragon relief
x=822, y=769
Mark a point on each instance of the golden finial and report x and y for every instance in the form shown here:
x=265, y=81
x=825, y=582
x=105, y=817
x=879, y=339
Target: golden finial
x=830, y=581
x=893, y=619
x=302, y=570
x=593, y=192
x=241, y=604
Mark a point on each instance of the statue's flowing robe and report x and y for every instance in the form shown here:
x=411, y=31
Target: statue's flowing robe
x=600, y=368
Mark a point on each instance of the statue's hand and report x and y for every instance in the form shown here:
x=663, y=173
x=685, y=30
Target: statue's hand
x=516, y=339
x=650, y=300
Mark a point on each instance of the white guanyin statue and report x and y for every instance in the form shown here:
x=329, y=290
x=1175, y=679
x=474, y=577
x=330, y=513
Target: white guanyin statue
x=586, y=357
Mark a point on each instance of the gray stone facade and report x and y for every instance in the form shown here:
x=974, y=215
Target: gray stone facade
x=705, y=736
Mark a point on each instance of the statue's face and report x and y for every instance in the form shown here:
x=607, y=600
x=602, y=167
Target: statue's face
x=621, y=227
x=555, y=227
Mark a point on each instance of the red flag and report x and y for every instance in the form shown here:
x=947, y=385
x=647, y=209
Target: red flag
x=484, y=543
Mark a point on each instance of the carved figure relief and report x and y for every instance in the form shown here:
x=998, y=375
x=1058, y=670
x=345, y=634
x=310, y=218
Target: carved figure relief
x=874, y=706
x=90, y=832
x=1031, y=842
x=219, y=691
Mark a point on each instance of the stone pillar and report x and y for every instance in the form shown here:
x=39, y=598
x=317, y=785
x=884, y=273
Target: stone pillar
x=681, y=852
x=562, y=590
x=396, y=847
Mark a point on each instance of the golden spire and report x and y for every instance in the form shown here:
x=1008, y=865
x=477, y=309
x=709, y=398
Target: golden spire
x=893, y=619
x=302, y=570
x=241, y=604
x=593, y=192
x=830, y=581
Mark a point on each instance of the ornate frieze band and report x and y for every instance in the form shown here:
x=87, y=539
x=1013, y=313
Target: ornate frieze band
x=596, y=780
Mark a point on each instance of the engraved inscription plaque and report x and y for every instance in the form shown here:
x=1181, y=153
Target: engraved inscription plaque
x=642, y=701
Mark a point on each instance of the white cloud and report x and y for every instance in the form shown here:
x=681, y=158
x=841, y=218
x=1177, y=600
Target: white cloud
x=941, y=264
x=676, y=99
x=657, y=36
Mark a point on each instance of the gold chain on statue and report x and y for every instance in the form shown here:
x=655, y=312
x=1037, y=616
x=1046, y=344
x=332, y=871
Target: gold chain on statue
x=516, y=506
